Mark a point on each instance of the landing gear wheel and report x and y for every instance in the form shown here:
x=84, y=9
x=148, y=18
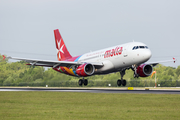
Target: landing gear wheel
x=80, y=82
x=119, y=82
x=85, y=82
x=123, y=82
x=136, y=75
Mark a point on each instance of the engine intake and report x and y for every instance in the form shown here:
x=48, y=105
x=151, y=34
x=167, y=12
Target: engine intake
x=85, y=69
x=144, y=70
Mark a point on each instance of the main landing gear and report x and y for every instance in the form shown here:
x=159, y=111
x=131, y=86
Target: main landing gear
x=83, y=81
x=122, y=81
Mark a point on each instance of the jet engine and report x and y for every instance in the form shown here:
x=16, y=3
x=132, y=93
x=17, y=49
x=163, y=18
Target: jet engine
x=144, y=70
x=85, y=69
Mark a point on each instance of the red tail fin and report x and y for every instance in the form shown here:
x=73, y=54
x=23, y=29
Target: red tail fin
x=62, y=52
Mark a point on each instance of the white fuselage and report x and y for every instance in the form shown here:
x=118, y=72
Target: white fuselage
x=118, y=57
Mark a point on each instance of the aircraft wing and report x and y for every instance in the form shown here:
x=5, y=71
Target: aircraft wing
x=50, y=63
x=155, y=63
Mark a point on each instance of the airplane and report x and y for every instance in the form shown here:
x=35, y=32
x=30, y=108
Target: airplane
x=119, y=58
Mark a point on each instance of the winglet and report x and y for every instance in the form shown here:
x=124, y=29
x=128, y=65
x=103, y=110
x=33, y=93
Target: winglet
x=174, y=59
x=4, y=57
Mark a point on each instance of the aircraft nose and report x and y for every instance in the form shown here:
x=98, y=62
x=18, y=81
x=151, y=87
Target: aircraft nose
x=147, y=54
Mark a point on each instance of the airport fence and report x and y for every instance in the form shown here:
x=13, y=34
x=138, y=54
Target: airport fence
x=98, y=83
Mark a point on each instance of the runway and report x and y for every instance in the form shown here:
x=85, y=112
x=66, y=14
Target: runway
x=92, y=90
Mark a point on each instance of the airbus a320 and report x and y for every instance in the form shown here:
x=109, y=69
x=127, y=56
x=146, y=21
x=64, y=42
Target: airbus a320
x=118, y=58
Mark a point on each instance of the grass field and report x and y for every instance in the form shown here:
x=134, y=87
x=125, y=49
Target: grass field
x=85, y=106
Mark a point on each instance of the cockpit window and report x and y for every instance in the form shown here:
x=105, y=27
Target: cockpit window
x=139, y=47
x=142, y=47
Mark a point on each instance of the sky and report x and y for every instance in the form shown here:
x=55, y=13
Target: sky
x=26, y=27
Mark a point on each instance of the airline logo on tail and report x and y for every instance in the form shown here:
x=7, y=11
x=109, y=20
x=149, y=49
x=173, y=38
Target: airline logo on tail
x=62, y=52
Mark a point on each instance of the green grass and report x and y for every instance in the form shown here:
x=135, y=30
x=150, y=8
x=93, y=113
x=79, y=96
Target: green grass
x=76, y=106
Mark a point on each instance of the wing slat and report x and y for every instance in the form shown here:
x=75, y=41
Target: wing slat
x=50, y=63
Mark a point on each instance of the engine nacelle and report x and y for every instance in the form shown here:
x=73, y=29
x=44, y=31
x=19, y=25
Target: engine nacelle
x=144, y=70
x=84, y=70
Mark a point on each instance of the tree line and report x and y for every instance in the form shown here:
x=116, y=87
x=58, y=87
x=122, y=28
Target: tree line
x=20, y=74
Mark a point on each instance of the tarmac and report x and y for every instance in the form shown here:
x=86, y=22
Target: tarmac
x=131, y=90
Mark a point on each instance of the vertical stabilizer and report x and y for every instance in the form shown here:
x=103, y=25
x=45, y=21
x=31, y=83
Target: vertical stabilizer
x=62, y=52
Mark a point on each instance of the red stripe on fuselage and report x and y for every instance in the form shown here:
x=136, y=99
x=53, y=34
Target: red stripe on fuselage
x=73, y=58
